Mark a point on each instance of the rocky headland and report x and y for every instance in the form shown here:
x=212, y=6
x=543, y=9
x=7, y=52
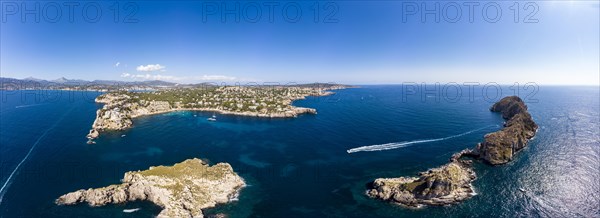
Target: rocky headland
x=275, y=102
x=182, y=190
x=500, y=147
x=451, y=183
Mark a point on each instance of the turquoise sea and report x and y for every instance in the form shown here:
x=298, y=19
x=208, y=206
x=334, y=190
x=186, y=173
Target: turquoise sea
x=300, y=167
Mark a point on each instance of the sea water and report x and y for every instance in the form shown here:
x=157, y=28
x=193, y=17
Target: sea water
x=310, y=166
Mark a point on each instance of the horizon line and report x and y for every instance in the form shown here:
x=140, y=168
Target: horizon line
x=441, y=83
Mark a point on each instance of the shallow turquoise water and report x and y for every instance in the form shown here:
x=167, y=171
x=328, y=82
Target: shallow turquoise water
x=300, y=167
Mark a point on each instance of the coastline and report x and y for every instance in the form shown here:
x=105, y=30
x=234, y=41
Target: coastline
x=120, y=108
x=245, y=114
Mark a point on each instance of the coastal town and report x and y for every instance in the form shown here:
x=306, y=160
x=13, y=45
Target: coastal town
x=121, y=107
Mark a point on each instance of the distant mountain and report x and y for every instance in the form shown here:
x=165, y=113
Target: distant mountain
x=147, y=83
x=77, y=84
x=64, y=83
x=63, y=80
x=108, y=82
x=157, y=83
x=60, y=80
x=32, y=79
x=324, y=85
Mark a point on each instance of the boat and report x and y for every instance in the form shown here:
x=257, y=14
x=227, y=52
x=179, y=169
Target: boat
x=122, y=136
x=213, y=118
x=130, y=210
x=90, y=142
x=522, y=190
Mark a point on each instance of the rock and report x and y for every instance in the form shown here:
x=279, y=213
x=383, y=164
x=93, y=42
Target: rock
x=451, y=183
x=509, y=106
x=119, y=110
x=182, y=190
x=448, y=184
x=93, y=134
x=456, y=157
x=218, y=215
x=303, y=110
x=500, y=147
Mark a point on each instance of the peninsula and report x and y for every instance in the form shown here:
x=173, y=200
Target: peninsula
x=451, y=183
x=259, y=101
x=182, y=190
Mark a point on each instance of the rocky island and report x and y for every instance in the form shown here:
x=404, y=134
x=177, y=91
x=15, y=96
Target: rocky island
x=451, y=183
x=500, y=147
x=447, y=184
x=182, y=190
x=260, y=101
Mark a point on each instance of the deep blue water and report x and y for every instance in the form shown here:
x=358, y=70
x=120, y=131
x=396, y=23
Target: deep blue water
x=300, y=167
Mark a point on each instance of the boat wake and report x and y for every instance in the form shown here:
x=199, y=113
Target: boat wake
x=394, y=145
x=7, y=183
x=29, y=105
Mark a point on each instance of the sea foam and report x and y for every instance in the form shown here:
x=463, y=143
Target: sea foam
x=394, y=145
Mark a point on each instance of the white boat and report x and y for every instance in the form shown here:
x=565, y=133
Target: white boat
x=213, y=118
x=522, y=190
x=130, y=210
x=122, y=136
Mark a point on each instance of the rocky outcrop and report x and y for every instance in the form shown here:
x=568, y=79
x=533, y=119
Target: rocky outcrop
x=303, y=110
x=448, y=184
x=119, y=109
x=500, y=147
x=451, y=183
x=182, y=190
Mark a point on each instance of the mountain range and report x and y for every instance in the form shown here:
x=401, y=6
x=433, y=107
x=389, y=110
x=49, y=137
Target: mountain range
x=64, y=83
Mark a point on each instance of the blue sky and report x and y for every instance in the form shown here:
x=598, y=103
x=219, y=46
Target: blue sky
x=364, y=42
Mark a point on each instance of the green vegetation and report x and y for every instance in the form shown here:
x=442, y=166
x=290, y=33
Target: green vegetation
x=228, y=98
x=186, y=172
x=194, y=168
x=412, y=185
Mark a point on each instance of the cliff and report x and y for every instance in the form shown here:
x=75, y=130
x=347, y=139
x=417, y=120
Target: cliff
x=451, y=183
x=119, y=110
x=182, y=190
x=500, y=147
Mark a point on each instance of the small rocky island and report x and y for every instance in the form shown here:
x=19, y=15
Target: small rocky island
x=259, y=101
x=182, y=190
x=439, y=186
x=451, y=183
x=500, y=147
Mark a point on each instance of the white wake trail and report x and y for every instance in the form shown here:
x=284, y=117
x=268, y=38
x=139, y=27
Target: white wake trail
x=394, y=145
x=7, y=183
x=30, y=105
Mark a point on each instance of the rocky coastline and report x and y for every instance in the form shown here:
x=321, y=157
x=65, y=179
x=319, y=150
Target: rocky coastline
x=452, y=182
x=121, y=107
x=182, y=190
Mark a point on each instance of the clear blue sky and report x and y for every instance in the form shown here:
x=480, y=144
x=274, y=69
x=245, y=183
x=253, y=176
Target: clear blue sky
x=369, y=44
